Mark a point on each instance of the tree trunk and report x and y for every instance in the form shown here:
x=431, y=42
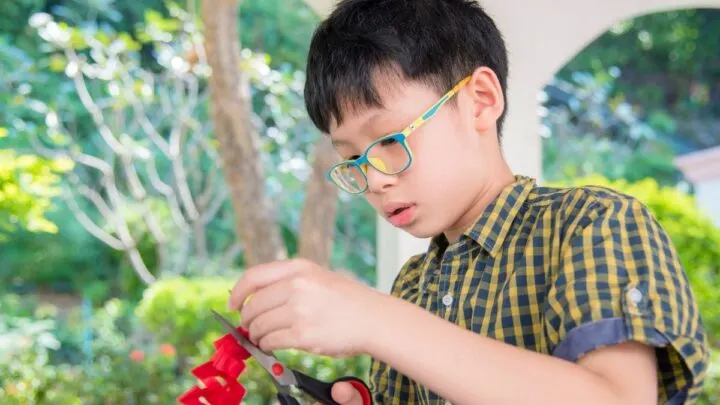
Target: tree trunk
x=230, y=108
x=317, y=224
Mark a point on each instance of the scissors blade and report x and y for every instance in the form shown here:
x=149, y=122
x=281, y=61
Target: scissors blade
x=268, y=361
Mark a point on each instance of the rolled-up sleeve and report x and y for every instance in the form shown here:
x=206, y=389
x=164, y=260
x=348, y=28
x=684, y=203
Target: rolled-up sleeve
x=619, y=279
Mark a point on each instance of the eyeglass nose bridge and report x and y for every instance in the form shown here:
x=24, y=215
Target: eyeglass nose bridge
x=380, y=178
x=375, y=162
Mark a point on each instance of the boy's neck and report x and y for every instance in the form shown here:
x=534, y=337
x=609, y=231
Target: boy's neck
x=489, y=193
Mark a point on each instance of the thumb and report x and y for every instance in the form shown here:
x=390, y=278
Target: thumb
x=344, y=393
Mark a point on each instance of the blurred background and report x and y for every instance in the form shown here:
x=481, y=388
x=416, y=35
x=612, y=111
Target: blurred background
x=130, y=202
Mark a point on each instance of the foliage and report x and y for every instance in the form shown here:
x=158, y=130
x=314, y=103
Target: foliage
x=13, y=18
x=178, y=310
x=27, y=185
x=711, y=392
x=110, y=358
x=588, y=131
x=667, y=65
x=25, y=377
x=281, y=28
x=694, y=235
x=45, y=366
x=647, y=80
x=109, y=78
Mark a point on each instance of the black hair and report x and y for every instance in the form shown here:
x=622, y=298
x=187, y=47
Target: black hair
x=435, y=42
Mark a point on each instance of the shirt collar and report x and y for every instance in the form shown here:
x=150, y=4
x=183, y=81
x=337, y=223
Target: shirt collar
x=490, y=229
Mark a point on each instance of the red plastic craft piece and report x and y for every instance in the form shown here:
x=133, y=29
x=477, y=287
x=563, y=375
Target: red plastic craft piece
x=218, y=377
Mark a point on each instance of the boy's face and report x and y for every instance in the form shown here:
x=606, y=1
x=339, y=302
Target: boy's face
x=452, y=154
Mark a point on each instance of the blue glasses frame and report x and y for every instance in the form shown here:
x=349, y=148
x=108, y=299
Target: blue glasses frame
x=363, y=161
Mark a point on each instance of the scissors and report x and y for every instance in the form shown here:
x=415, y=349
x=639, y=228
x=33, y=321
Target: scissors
x=284, y=378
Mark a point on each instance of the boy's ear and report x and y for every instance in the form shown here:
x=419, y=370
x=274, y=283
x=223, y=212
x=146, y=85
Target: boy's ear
x=487, y=97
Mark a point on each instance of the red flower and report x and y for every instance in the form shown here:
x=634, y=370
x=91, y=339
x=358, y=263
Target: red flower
x=167, y=350
x=137, y=355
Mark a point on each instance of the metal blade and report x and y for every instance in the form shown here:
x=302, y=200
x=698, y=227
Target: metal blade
x=266, y=360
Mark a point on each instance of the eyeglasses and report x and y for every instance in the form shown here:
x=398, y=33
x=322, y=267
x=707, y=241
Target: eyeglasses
x=390, y=154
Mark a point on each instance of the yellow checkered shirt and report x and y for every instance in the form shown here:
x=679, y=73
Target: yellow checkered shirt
x=560, y=272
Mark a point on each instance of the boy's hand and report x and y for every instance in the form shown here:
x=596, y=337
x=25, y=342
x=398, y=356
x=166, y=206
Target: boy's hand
x=345, y=394
x=298, y=304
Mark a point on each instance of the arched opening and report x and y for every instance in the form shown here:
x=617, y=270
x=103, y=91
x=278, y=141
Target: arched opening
x=638, y=96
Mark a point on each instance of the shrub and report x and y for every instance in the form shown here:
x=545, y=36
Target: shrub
x=711, y=392
x=42, y=361
x=177, y=311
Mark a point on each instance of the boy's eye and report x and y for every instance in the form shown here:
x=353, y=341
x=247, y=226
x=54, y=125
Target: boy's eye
x=388, y=142
x=353, y=157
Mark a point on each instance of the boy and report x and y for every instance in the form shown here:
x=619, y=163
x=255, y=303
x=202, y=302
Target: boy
x=526, y=295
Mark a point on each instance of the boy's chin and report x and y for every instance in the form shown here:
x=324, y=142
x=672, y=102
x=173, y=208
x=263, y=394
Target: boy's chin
x=421, y=230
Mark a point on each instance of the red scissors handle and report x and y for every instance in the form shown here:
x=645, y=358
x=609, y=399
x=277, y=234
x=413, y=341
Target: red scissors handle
x=321, y=390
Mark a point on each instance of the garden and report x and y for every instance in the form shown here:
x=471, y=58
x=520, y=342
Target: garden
x=122, y=210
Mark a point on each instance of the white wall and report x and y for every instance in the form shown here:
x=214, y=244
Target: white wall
x=708, y=197
x=702, y=169
x=541, y=36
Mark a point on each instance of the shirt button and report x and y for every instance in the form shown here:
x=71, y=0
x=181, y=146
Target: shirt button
x=447, y=300
x=635, y=296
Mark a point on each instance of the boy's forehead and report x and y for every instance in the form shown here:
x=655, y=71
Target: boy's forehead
x=398, y=99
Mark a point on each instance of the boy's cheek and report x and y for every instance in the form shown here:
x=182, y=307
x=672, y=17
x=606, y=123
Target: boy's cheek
x=374, y=202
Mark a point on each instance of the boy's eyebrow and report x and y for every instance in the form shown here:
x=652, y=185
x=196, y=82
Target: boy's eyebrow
x=338, y=142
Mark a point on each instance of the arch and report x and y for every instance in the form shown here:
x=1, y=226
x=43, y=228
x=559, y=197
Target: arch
x=551, y=33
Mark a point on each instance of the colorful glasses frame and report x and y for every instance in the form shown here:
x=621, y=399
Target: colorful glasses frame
x=401, y=137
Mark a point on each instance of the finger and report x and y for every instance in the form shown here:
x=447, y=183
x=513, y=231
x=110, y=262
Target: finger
x=269, y=322
x=266, y=299
x=260, y=276
x=279, y=339
x=344, y=393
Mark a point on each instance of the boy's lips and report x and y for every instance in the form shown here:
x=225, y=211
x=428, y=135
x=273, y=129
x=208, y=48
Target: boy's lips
x=399, y=214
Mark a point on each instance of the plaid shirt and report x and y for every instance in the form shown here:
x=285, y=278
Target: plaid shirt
x=560, y=272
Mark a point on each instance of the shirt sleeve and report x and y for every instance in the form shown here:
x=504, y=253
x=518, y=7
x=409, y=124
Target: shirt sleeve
x=389, y=387
x=619, y=279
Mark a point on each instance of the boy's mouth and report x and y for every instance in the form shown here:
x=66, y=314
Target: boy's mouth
x=399, y=214
x=395, y=208
x=397, y=211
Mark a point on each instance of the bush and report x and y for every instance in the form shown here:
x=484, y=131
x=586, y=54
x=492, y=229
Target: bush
x=42, y=361
x=711, y=393
x=118, y=377
x=25, y=374
x=177, y=310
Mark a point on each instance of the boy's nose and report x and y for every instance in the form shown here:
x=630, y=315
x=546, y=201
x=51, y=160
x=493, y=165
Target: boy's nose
x=379, y=181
